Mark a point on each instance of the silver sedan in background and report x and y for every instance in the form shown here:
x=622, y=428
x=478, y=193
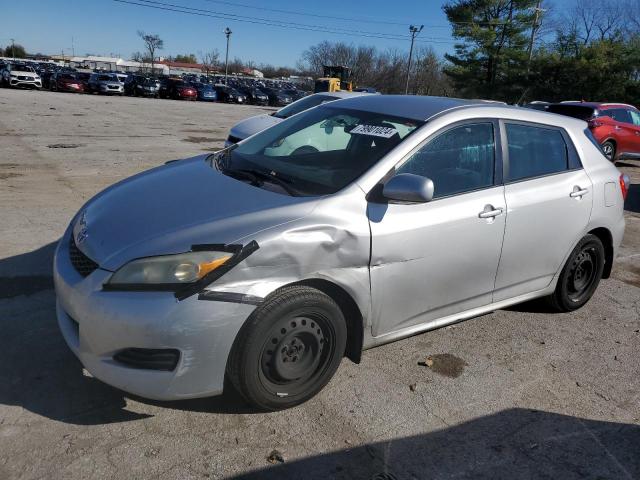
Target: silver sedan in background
x=353, y=224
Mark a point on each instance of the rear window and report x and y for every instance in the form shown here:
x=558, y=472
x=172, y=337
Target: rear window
x=576, y=111
x=535, y=151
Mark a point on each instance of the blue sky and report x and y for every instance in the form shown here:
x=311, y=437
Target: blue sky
x=105, y=27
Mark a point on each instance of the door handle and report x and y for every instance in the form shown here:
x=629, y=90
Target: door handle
x=617, y=127
x=490, y=212
x=578, y=192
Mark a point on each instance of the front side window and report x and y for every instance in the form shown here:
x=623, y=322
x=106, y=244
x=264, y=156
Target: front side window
x=535, y=151
x=459, y=160
x=321, y=150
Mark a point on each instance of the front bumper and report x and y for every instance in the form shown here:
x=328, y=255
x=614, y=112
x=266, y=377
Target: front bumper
x=97, y=324
x=29, y=82
x=112, y=90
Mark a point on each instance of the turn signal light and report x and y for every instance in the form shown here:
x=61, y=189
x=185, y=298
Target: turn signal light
x=624, y=185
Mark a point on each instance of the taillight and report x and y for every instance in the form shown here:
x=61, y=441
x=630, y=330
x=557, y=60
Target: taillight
x=624, y=185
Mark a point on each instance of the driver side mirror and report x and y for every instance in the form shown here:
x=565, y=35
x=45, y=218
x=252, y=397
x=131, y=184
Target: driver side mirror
x=409, y=188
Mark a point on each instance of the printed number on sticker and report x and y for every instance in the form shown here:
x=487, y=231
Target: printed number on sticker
x=374, y=130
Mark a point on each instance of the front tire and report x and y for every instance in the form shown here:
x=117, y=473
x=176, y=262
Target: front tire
x=609, y=150
x=580, y=276
x=288, y=349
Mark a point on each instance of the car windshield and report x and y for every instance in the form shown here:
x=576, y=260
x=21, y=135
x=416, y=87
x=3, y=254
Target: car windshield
x=22, y=68
x=303, y=104
x=105, y=78
x=319, y=151
x=66, y=76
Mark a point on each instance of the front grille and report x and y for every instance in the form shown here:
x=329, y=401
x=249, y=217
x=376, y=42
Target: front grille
x=83, y=264
x=232, y=139
x=165, y=359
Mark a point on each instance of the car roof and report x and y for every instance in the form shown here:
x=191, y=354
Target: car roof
x=408, y=106
x=343, y=94
x=601, y=105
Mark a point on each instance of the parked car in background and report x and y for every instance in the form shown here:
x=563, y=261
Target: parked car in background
x=254, y=95
x=19, y=75
x=138, y=85
x=294, y=93
x=105, y=83
x=65, y=82
x=206, y=92
x=615, y=126
x=351, y=225
x=177, y=89
x=538, y=105
x=277, y=98
x=228, y=94
x=83, y=78
x=249, y=126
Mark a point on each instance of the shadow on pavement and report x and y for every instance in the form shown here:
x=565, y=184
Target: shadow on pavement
x=512, y=444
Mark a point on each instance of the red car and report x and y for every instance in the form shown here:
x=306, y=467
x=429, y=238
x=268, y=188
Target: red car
x=65, y=82
x=178, y=90
x=616, y=126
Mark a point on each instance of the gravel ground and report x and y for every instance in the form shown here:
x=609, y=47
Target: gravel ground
x=519, y=393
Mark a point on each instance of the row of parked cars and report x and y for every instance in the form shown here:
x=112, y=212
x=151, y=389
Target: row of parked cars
x=188, y=87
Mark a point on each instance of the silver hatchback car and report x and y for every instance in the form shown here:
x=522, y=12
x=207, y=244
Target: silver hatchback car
x=353, y=224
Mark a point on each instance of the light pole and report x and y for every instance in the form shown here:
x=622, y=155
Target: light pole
x=13, y=49
x=227, y=32
x=414, y=31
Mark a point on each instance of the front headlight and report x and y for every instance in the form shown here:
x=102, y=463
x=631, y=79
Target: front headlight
x=168, y=271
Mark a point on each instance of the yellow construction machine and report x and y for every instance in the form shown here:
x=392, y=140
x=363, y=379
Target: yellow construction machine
x=335, y=78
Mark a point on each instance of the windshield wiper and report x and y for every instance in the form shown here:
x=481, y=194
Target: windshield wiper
x=285, y=183
x=258, y=177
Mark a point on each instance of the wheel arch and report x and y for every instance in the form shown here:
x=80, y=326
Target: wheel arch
x=350, y=310
x=607, y=241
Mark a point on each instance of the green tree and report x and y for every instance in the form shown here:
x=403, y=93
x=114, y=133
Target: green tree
x=490, y=59
x=17, y=51
x=185, y=58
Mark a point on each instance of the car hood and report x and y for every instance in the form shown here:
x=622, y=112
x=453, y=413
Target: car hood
x=23, y=74
x=252, y=125
x=168, y=209
x=110, y=84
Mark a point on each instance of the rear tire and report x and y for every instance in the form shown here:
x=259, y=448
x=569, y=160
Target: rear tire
x=580, y=276
x=609, y=150
x=288, y=349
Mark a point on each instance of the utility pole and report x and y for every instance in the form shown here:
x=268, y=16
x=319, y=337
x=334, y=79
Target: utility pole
x=13, y=49
x=227, y=32
x=73, y=50
x=534, y=29
x=414, y=32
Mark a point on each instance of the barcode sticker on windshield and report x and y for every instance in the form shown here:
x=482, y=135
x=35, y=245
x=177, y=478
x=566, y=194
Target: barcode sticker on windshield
x=374, y=130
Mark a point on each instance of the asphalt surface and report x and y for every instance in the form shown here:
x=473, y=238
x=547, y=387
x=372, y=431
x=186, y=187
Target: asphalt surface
x=519, y=393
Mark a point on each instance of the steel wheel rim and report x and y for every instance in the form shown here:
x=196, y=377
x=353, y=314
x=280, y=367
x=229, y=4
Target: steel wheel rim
x=297, y=351
x=582, y=274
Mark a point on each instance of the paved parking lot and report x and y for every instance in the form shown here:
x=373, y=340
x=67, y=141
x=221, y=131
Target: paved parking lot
x=519, y=393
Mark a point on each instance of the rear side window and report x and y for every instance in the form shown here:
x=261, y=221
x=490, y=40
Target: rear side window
x=535, y=151
x=635, y=117
x=619, y=115
x=459, y=160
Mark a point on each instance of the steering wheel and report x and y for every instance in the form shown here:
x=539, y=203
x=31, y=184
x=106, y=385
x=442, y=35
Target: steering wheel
x=305, y=149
